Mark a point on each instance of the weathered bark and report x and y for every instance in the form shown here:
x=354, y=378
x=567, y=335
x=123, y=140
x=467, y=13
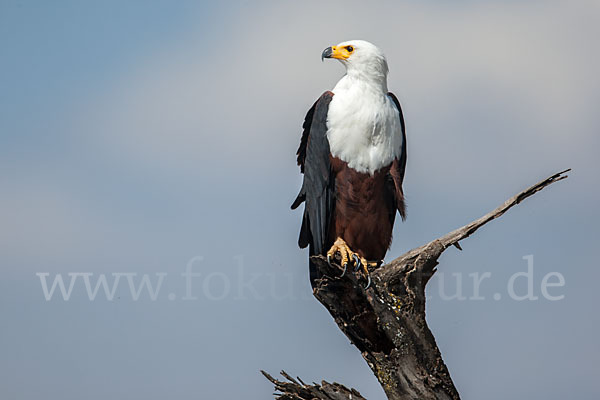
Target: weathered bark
x=386, y=322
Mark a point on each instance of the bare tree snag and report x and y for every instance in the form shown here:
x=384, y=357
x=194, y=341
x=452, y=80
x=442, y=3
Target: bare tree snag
x=298, y=390
x=386, y=322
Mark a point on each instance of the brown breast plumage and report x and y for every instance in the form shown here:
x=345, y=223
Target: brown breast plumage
x=364, y=210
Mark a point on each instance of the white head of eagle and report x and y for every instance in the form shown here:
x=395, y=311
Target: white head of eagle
x=362, y=59
x=353, y=156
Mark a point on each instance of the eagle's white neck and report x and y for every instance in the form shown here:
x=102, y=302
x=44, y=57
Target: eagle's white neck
x=358, y=80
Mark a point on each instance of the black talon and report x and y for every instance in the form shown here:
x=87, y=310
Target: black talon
x=368, y=282
x=344, y=272
x=329, y=260
x=356, y=262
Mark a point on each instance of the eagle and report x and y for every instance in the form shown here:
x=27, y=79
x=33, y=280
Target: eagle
x=353, y=156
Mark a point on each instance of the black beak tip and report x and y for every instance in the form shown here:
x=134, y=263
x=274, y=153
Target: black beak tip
x=326, y=53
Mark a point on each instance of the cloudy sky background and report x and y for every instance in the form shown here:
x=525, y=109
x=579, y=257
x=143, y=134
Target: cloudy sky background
x=135, y=136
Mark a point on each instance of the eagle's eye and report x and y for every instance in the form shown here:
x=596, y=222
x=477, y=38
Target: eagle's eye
x=350, y=49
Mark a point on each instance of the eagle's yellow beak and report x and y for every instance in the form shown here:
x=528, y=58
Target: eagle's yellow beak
x=341, y=53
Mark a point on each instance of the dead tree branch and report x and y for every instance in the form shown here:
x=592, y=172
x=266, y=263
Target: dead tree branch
x=386, y=322
x=297, y=390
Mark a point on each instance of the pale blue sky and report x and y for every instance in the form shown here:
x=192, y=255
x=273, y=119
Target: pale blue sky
x=137, y=135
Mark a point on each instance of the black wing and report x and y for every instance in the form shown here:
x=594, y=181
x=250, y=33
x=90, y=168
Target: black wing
x=318, y=186
x=399, y=164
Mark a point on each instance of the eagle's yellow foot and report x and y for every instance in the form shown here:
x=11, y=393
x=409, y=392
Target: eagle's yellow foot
x=347, y=255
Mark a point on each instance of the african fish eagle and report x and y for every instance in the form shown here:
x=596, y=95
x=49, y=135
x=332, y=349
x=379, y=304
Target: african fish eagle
x=353, y=155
